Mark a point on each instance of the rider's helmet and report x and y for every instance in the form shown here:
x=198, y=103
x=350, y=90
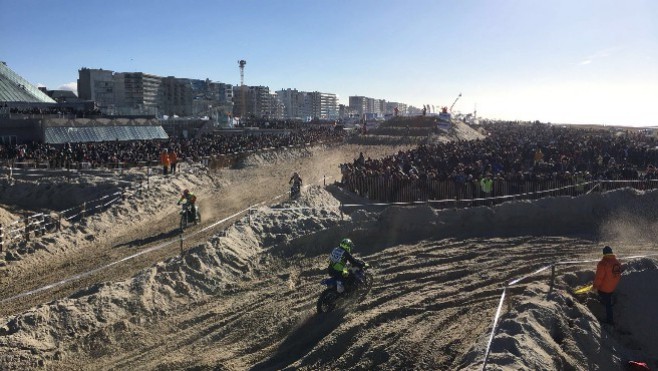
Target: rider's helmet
x=346, y=244
x=186, y=192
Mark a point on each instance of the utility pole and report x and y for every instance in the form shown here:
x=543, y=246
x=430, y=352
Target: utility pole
x=242, y=63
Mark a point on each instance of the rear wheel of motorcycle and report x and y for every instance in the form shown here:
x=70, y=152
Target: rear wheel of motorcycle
x=327, y=301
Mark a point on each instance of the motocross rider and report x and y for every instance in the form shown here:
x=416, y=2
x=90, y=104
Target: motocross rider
x=338, y=263
x=296, y=179
x=190, y=198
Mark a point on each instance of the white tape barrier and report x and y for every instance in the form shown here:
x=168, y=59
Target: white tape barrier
x=514, y=282
x=96, y=270
x=154, y=248
x=495, y=323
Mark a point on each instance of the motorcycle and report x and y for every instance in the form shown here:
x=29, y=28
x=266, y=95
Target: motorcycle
x=295, y=190
x=357, y=286
x=189, y=216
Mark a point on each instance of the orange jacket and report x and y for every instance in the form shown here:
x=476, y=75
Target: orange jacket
x=172, y=157
x=608, y=273
x=164, y=159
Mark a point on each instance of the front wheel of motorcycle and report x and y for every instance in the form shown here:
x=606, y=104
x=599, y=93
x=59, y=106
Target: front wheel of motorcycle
x=183, y=223
x=327, y=301
x=365, y=287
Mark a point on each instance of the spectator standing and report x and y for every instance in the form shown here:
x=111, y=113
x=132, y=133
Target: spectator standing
x=539, y=156
x=173, y=160
x=361, y=161
x=486, y=185
x=164, y=161
x=608, y=274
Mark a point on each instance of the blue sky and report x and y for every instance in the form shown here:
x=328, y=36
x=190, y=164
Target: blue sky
x=566, y=61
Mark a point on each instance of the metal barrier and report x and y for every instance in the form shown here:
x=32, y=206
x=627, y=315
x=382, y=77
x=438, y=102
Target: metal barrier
x=379, y=189
x=37, y=225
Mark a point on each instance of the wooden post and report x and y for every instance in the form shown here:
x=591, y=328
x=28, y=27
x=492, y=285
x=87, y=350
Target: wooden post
x=84, y=208
x=40, y=229
x=2, y=237
x=180, y=236
x=27, y=227
x=59, y=221
x=550, y=286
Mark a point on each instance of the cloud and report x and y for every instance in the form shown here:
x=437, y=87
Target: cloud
x=72, y=86
x=599, y=55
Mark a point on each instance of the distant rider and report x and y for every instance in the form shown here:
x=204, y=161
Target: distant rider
x=189, y=198
x=296, y=180
x=338, y=263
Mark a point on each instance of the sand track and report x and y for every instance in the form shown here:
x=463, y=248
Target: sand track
x=244, y=298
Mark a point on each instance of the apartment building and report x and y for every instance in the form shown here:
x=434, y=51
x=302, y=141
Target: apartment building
x=293, y=103
x=139, y=92
x=391, y=106
x=257, y=101
x=327, y=107
x=358, y=104
x=375, y=107
x=308, y=105
x=96, y=85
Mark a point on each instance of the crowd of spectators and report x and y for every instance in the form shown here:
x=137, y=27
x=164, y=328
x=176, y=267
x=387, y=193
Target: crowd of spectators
x=267, y=123
x=513, y=158
x=132, y=153
x=59, y=110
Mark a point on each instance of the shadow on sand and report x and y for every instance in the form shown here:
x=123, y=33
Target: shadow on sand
x=144, y=241
x=301, y=340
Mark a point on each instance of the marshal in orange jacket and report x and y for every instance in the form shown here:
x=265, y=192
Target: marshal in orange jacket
x=164, y=158
x=608, y=273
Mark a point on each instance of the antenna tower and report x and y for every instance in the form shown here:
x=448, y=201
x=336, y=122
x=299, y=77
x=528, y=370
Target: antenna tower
x=242, y=63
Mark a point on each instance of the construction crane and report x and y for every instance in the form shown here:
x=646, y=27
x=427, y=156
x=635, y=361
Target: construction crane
x=453, y=103
x=242, y=63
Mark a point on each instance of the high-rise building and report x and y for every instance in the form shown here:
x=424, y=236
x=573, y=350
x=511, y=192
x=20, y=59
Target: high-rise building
x=322, y=105
x=194, y=97
x=259, y=102
x=293, y=103
x=359, y=104
x=308, y=105
x=96, y=85
x=391, y=106
x=140, y=91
